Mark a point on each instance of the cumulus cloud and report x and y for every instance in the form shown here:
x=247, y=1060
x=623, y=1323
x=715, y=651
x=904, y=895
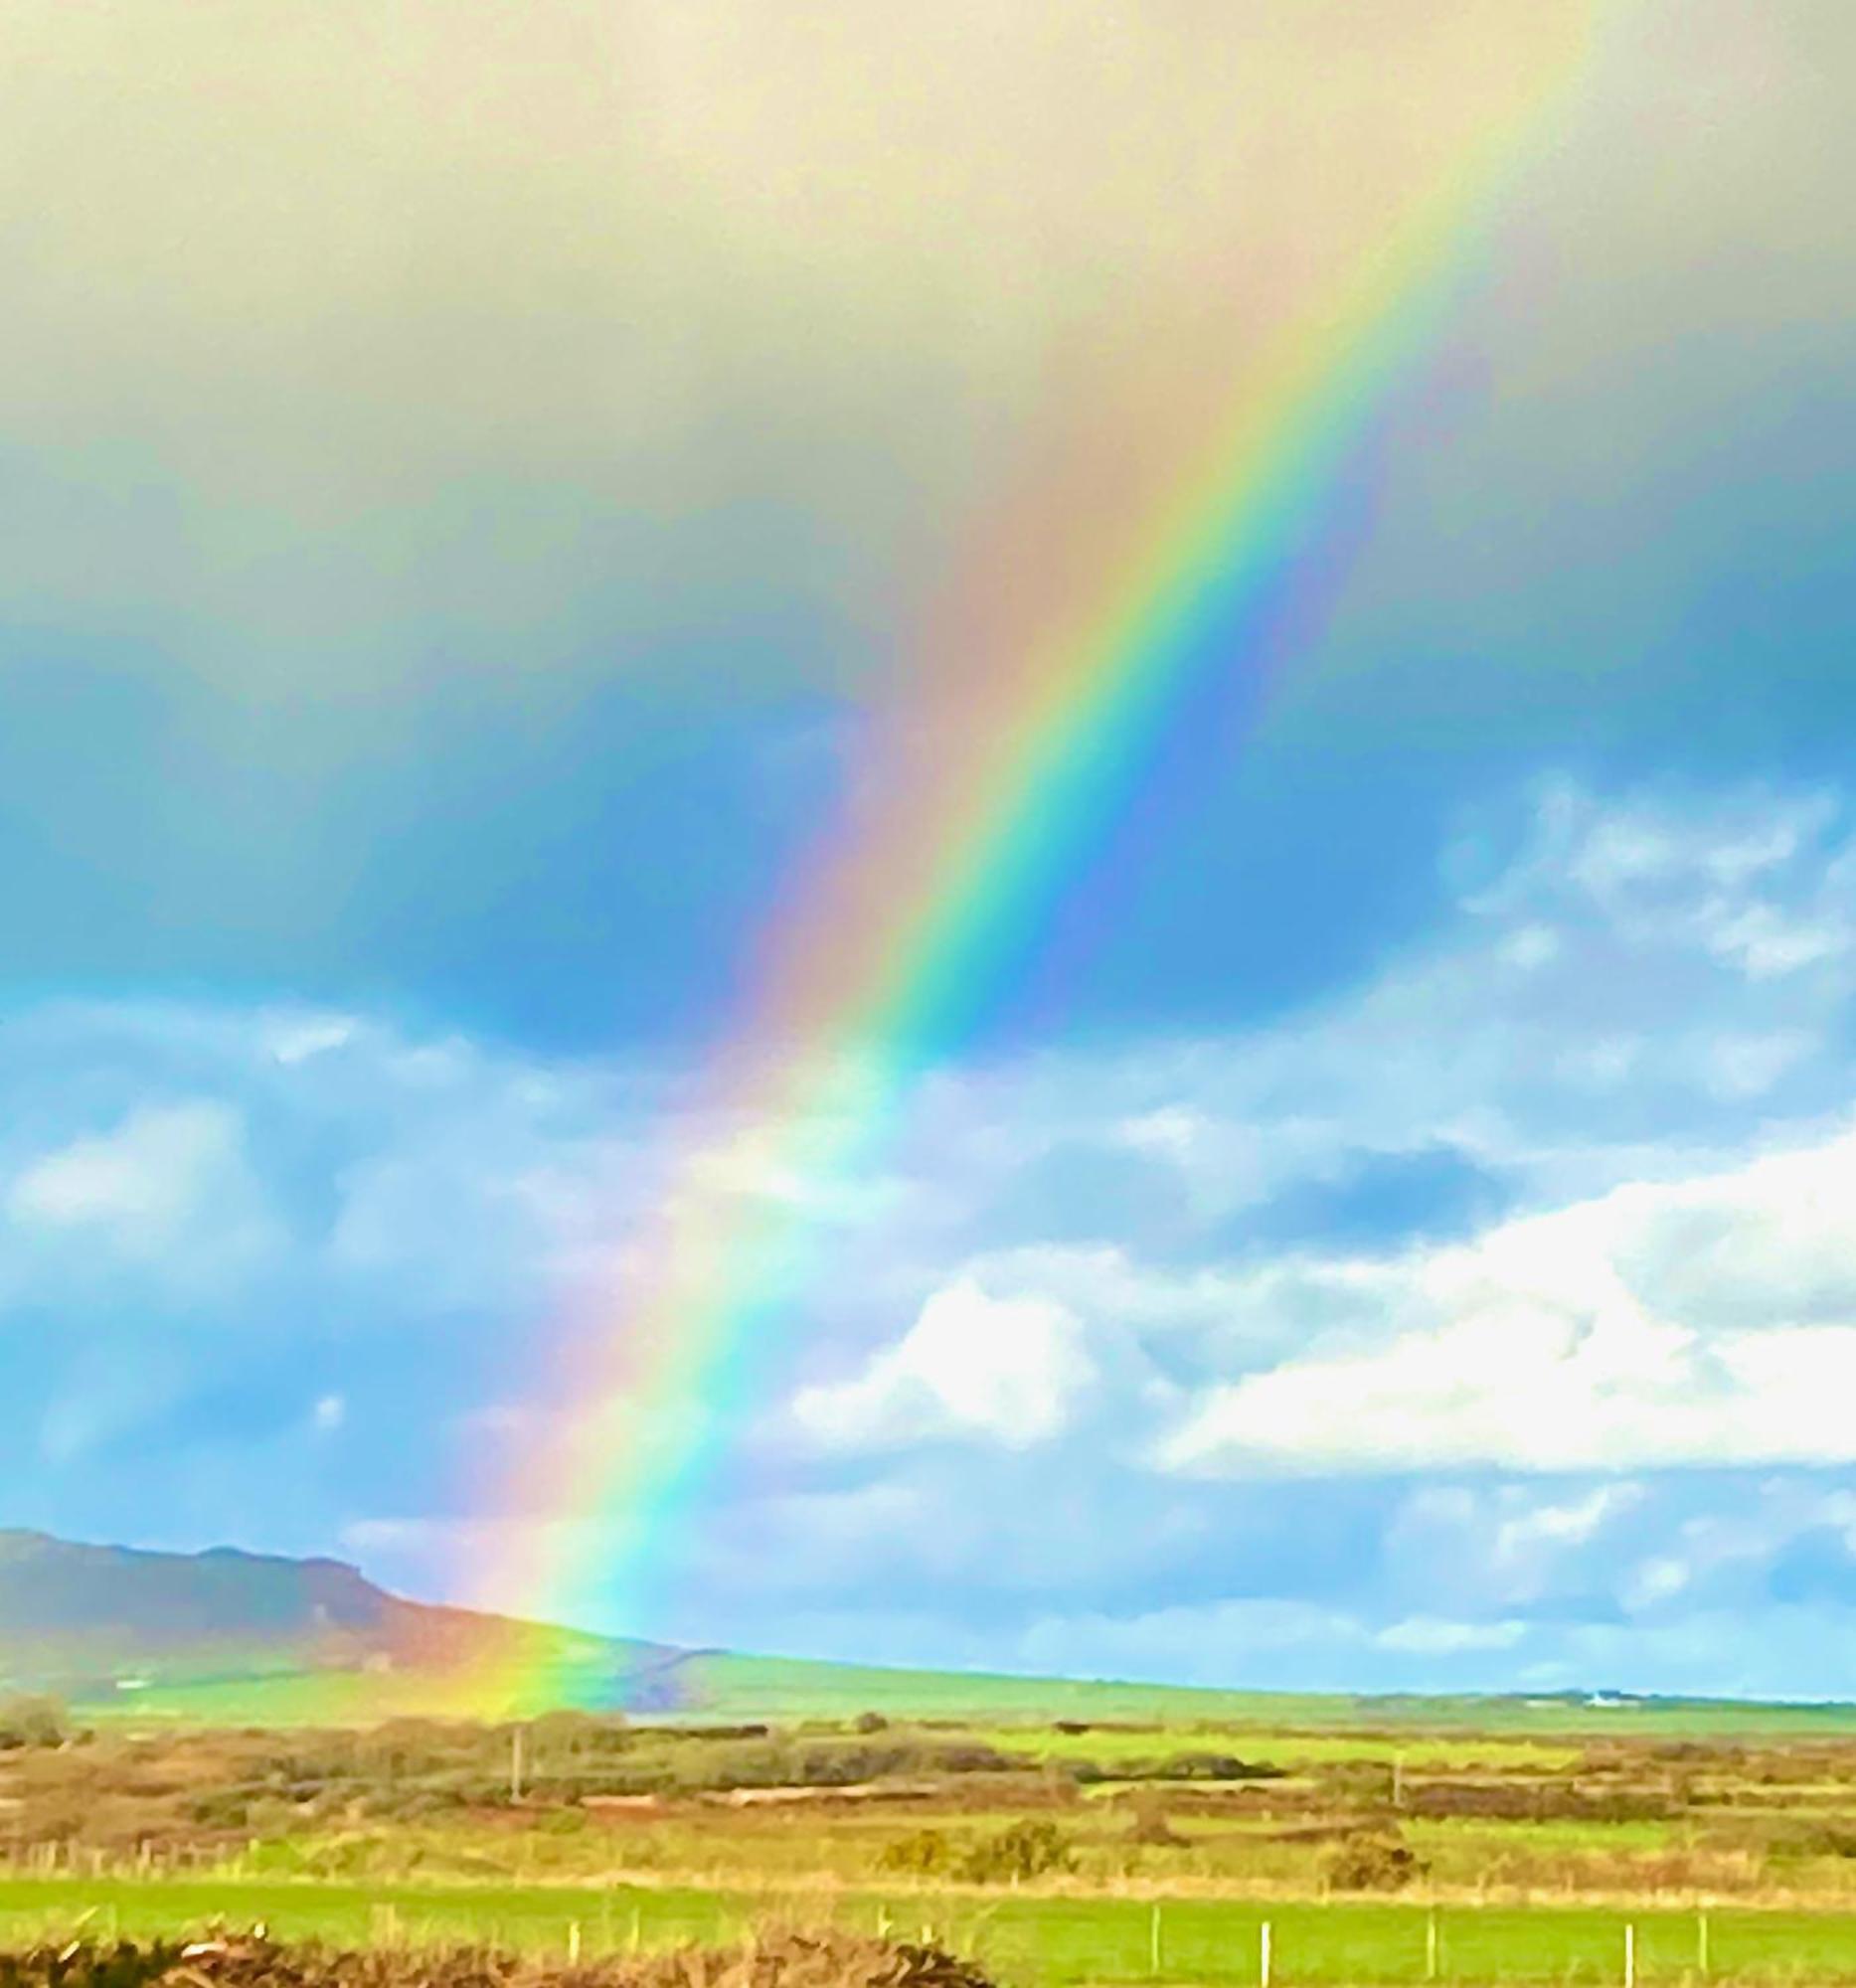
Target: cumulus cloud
x=168, y=1192
x=140, y=1181
x=1703, y=1321
x=1007, y=1371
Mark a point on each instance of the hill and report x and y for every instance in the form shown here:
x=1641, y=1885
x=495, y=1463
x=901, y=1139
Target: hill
x=252, y=1639
x=97, y=1623
x=228, y=1637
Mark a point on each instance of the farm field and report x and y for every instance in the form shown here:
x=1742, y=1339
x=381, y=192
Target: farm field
x=1053, y=1852
x=1035, y=1942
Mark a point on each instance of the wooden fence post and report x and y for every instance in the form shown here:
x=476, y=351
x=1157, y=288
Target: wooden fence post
x=1262, y=1954
x=1630, y=1955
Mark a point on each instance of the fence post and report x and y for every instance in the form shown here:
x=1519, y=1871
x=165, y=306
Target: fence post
x=572, y=1943
x=1262, y=1954
x=1630, y=1955
x=1430, y=1944
x=1701, y=1942
x=1153, y=1940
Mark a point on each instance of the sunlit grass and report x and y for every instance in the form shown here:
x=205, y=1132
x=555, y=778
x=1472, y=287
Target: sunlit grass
x=1026, y=1941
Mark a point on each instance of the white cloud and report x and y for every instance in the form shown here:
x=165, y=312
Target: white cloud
x=1429, y=1637
x=142, y=1180
x=1520, y=1537
x=296, y=1037
x=1654, y=1581
x=1744, y=882
x=1172, y=1131
x=1009, y=1371
x=168, y=1193
x=1654, y=1325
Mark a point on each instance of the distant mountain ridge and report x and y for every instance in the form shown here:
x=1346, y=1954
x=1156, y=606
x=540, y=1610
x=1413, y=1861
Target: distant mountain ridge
x=86, y=1618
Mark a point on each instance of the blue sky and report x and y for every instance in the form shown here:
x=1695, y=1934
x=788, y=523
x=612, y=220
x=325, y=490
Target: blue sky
x=1393, y=1228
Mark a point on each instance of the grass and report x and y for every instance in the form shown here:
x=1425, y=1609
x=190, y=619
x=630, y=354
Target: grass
x=727, y=1686
x=1026, y=1941
x=1287, y=1746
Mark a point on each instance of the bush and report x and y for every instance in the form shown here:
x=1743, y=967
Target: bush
x=1214, y=1767
x=1372, y=1861
x=1028, y=1849
x=1151, y=1827
x=1791, y=1842
x=924, y=1853
x=33, y=1721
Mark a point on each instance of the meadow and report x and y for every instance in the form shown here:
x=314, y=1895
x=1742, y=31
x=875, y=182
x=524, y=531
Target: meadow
x=1055, y=1851
x=1041, y=1941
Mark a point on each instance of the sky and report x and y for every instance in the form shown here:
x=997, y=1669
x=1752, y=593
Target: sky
x=473, y=500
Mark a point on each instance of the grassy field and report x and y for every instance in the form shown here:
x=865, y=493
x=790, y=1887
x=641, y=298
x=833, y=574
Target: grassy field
x=1292, y=1746
x=726, y=1686
x=1027, y=1942
x=1377, y=1852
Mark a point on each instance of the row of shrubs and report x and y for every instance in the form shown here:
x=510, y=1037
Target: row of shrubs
x=1367, y=1860
x=390, y=1784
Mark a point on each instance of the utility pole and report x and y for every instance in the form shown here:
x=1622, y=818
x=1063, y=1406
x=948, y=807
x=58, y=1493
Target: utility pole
x=515, y=1765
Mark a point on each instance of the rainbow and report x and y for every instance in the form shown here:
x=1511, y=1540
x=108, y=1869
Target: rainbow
x=1031, y=716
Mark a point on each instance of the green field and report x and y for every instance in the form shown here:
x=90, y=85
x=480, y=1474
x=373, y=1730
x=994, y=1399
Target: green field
x=726, y=1686
x=1029, y=1940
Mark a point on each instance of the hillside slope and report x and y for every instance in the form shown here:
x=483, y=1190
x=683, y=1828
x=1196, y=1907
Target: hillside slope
x=251, y=1639
x=248, y=1638
x=101, y=1621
